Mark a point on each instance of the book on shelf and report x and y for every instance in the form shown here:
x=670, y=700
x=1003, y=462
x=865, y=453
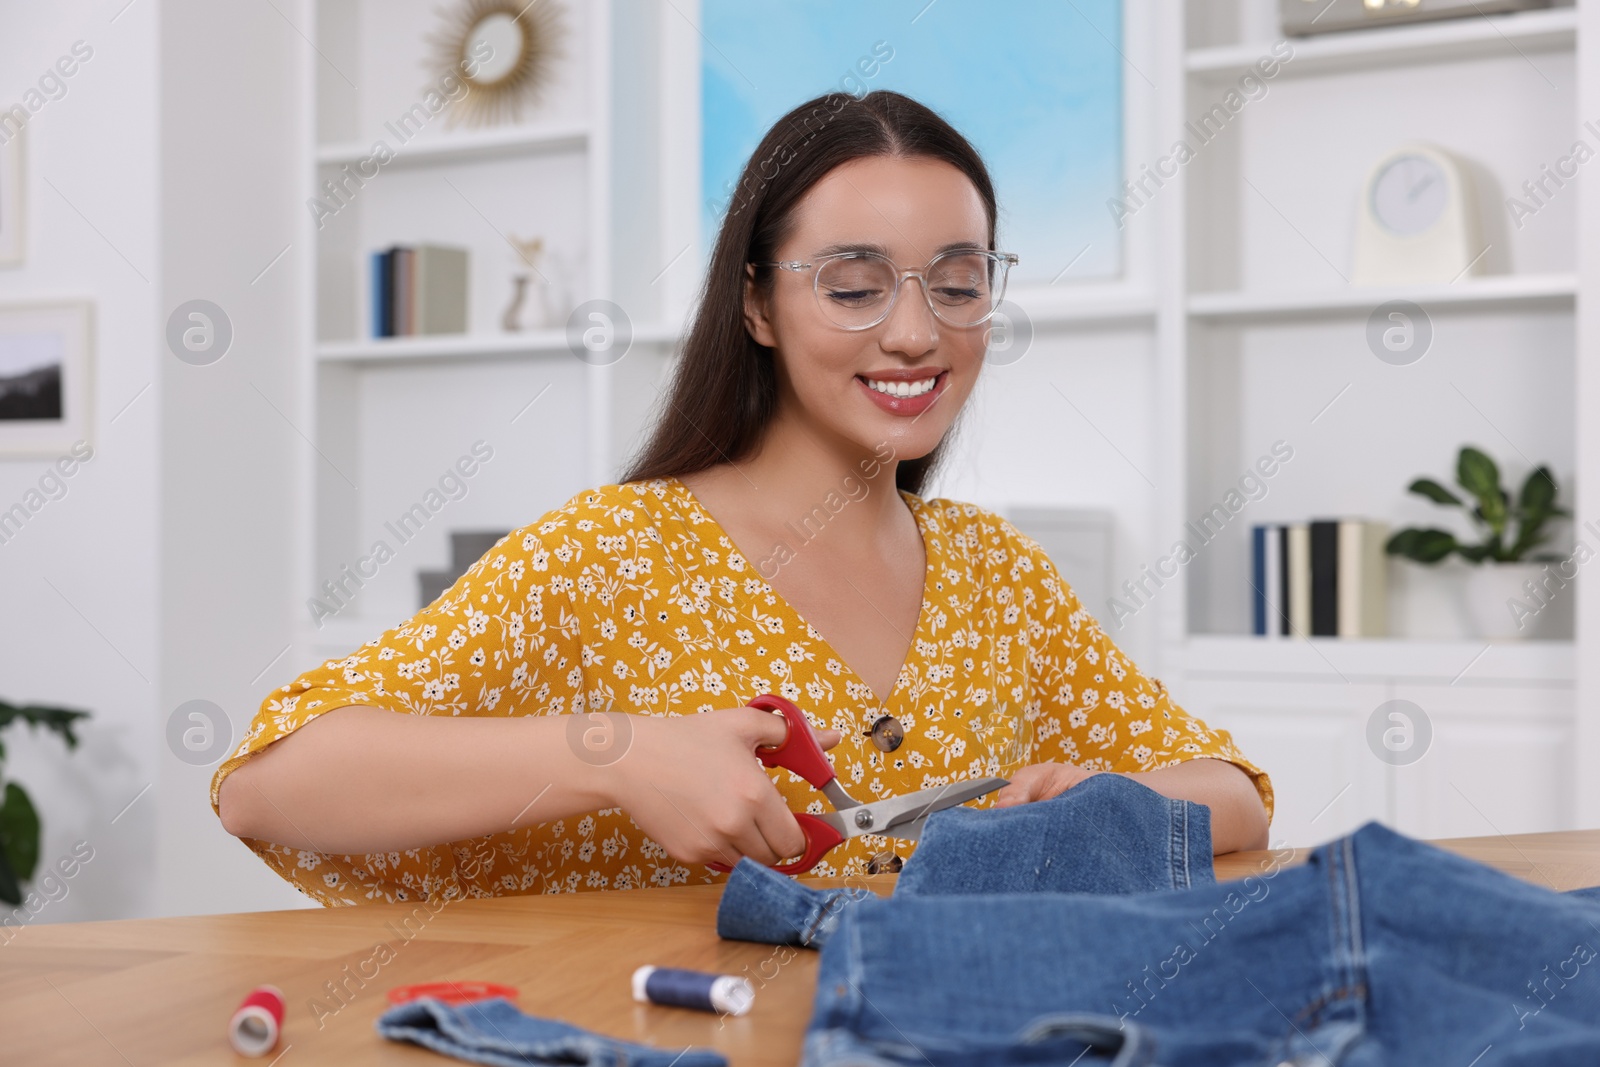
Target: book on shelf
x=1323, y=578
x=419, y=290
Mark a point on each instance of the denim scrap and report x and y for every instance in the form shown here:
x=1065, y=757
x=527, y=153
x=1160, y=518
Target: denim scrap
x=496, y=1032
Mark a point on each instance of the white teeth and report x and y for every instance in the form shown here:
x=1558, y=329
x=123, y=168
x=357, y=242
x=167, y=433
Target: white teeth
x=902, y=389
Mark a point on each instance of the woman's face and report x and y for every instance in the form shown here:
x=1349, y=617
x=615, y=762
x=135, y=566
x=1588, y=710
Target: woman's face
x=909, y=209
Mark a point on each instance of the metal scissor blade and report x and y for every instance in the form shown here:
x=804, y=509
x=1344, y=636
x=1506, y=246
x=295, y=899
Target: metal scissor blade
x=903, y=816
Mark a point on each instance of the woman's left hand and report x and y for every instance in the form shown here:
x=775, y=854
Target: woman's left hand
x=1040, y=781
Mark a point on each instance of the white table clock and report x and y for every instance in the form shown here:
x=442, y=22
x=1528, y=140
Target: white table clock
x=1417, y=220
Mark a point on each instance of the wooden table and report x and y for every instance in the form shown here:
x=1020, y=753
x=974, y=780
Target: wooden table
x=160, y=991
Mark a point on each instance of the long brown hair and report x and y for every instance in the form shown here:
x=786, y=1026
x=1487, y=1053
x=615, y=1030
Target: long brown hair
x=725, y=388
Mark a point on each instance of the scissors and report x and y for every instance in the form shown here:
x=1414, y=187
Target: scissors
x=902, y=817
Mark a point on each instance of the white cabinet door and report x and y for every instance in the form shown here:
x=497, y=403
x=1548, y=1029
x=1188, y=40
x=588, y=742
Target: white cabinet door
x=1499, y=762
x=1310, y=737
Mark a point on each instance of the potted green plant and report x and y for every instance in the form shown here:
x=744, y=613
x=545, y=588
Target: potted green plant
x=1509, y=531
x=19, y=821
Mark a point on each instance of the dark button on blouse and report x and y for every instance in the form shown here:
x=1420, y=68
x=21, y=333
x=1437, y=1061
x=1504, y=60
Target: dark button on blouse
x=885, y=863
x=887, y=733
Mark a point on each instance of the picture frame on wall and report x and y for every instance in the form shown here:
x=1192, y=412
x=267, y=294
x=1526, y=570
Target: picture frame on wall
x=12, y=221
x=46, y=368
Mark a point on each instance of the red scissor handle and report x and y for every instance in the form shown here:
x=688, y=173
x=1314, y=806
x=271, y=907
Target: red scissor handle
x=820, y=837
x=799, y=750
x=800, y=753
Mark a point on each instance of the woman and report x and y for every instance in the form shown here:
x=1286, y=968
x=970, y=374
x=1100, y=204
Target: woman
x=769, y=537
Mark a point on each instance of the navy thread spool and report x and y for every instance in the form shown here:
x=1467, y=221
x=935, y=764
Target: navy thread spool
x=692, y=989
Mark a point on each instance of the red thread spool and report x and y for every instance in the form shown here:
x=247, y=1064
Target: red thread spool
x=254, y=1028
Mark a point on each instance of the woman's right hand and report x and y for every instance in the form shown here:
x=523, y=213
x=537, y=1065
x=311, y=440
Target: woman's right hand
x=693, y=783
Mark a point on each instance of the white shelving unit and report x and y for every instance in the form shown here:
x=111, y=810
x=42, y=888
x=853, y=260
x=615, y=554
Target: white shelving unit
x=532, y=344
x=1507, y=290
x=391, y=415
x=503, y=143
x=1258, y=333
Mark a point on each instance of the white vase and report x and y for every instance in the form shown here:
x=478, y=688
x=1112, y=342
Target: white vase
x=1503, y=606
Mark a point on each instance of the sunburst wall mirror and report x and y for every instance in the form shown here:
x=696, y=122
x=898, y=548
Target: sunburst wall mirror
x=505, y=51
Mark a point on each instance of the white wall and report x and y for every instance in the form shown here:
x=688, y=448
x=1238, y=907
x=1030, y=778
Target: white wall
x=234, y=433
x=161, y=175
x=79, y=585
x=1587, y=236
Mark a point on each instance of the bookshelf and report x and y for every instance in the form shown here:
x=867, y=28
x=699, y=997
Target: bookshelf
x=472, y=146
x=1509, y=291
x=531, y=344
x=388, y=413
x=1260, y=337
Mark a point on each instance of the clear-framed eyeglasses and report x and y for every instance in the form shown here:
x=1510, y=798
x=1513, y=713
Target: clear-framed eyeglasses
x=857, y=290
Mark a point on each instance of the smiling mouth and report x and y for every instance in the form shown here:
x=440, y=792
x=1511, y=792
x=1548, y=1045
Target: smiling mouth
x=903, y=389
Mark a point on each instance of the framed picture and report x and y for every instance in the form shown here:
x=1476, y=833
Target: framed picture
x=11, y=177
x=46, y=356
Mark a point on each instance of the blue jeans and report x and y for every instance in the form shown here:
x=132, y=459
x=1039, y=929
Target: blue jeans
x=1108, y=834
x=1380, y=950
x=495, y=1032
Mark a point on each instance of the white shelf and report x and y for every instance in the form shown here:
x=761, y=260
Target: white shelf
x=533, y=344
x=1446, y=40
x=1539, y=664
x=1070, y=306
x=1501, y=290
x=469, y=146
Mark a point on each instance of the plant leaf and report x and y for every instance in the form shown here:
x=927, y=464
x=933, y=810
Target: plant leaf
x=1479, y=476
x=1529, y=536
x=10, y=891
x=1434, y=491
x=1475, y=553
x=1539, y=492
x=1536, y=506
x=1421, y=546
x=59, y=720
x=1477, y=473
x=19, y=831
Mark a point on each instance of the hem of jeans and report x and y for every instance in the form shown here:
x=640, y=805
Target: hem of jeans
x=837, y=1046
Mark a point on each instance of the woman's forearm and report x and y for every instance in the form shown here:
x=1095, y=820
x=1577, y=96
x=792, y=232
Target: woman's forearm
x=1238, y=819
x=361, y=779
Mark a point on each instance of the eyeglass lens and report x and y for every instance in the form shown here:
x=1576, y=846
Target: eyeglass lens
x=856, y=291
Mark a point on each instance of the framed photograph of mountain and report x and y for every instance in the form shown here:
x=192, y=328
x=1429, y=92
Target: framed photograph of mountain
x=10, y=195
x=46, y=360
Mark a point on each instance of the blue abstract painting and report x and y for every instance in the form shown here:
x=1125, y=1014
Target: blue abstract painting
x=1035, y=85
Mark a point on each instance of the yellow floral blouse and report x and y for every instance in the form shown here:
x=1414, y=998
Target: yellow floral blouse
x=631, y=597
